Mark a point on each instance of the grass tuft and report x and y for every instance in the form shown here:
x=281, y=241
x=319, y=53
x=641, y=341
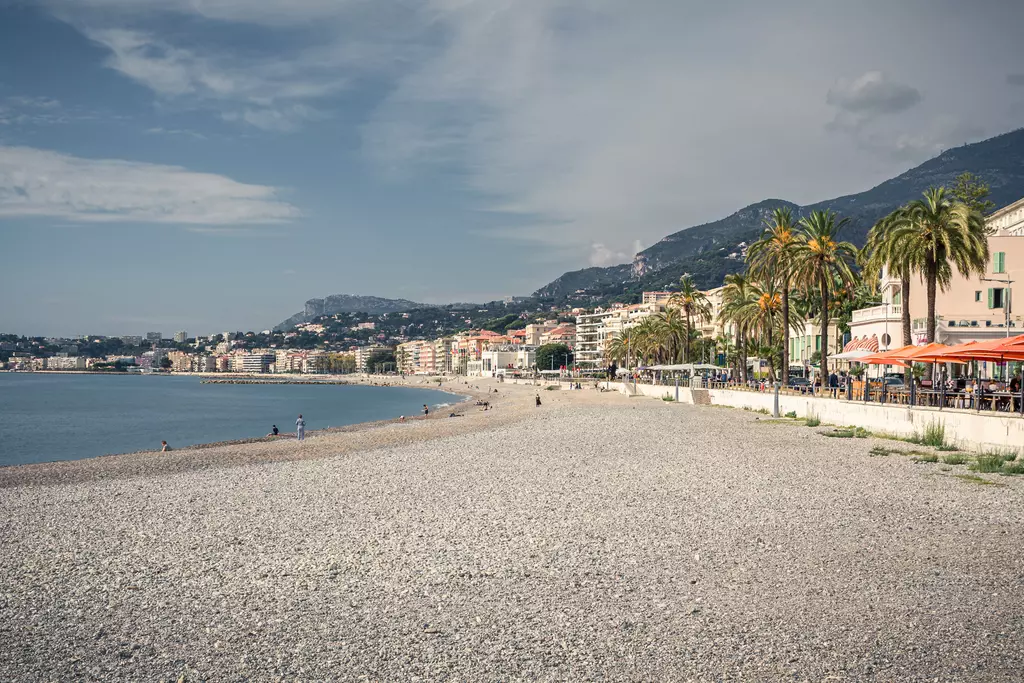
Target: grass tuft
x=1013, y=468
x=975, y=479
x=927, y=457
x=839, y=433
x=880, y=451
x=791, y=413
x=954, y=459
x=813, y=420
x=934, y=435
x=988, y=463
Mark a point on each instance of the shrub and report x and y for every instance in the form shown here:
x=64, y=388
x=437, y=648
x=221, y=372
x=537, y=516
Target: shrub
x=552, y=387
x=954, y=459
x=1015, y=468
x=813, y=420
x=791, y=413
x=667, y=398
x=934, y=434
x=988, y=463
x=861, y=433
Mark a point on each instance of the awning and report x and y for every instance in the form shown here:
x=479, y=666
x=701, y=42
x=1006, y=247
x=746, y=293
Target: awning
x=998, y=350
x=854, y=354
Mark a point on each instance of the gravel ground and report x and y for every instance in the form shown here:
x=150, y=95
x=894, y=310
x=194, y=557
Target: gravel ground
x=596, y=537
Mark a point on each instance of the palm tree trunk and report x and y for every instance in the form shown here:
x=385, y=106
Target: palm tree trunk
x=905, y=314
x=930, y=281
x=686, y=342
x=785, y=334
x=905, y=319
x=771, y=357
x=824, y=331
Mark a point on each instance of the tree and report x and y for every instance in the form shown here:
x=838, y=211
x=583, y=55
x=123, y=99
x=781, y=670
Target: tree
x=165, y=363
x=882, y=250
x=553, y=357
x=736, y=295
x=761, y=314
x=379, y=361
x=938, y=235
x=772, y=256
x=821, y=261
x=971, y=190
x=671, y=331
x=694, y=305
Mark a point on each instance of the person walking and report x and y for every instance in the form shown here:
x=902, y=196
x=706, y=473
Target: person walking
x=300, y=428
x=426, y=410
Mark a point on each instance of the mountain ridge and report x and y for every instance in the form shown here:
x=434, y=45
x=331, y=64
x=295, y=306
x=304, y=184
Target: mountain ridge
x=703, y=250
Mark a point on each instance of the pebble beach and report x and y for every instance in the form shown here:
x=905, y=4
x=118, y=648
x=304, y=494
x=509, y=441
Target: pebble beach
x=594, y=537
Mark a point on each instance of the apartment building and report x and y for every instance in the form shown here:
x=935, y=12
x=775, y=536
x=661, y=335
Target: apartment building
x=974, y=308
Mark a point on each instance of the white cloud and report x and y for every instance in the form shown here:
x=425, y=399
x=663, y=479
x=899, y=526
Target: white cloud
x=872, y=94
x=35, y=182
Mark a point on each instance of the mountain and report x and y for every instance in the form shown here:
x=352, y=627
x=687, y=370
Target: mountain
x=710, y=251
x=347, y=303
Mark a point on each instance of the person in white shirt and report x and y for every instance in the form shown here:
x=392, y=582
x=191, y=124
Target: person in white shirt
x=300, y=428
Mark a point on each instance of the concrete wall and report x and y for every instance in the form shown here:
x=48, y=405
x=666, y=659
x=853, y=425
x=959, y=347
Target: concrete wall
x=965, y=428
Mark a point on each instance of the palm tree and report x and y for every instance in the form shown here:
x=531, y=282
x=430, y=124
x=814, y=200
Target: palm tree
x=671, y=331
x=736, y=294
x=938, y=235
x=820, y=261
x=882, y=251
x=694, y=305
x=762, y=314
x=773, y=256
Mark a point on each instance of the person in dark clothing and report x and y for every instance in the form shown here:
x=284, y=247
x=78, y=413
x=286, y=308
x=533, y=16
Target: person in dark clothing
x=833, y=384
x=1015, y=384
x=426, y=410
x=275, y=430
x=538, y=399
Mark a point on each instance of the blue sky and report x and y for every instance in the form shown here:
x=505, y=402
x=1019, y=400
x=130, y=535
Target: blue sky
x=211, y=164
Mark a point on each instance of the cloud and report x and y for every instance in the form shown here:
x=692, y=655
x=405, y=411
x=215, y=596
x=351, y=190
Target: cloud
x=1015, y=79
x=35, y=182
x=868, y=97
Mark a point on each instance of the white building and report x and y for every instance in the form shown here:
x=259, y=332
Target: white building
x=180, y=337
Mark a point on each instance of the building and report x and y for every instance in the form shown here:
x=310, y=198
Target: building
x=974, y=308
x=362, y=355
x=500, y=362
x=180, y=361
x=535, y=331
x=180, y=337
x=656, y=298
x=253, y=362
x=563, y=334
x=592, y=335
x=804, y=343
x=132, y=340
x=154, y=337
x=66, y=363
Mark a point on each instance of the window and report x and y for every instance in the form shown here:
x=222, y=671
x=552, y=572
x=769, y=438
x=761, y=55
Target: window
x=817, y=342
x=897, y=298
x=999, y=262
x=977, y=295
x=996, y=297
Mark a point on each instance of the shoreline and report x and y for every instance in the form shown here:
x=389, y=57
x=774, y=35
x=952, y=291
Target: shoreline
x=230, y=453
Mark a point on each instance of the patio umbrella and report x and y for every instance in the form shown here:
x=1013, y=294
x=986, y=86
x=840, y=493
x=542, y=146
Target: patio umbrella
x=916, y=353
x=886, y=357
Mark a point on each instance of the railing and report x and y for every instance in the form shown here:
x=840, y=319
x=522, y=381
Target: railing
x=885, y=311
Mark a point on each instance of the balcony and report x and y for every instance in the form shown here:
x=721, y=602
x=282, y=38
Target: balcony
x=882, y=312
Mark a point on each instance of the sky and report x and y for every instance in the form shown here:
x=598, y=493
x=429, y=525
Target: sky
x=205, y=165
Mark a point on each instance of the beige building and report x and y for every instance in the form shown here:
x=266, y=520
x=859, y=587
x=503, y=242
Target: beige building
x=536, y=331
x=970, y=309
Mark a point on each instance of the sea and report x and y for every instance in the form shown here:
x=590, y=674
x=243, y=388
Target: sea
x=69, y=417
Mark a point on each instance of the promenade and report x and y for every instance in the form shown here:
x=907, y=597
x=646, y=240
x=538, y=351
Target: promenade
x=594, y=537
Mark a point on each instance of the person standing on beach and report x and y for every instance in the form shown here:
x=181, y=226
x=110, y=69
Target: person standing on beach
x=300, y=428
x=426, y=410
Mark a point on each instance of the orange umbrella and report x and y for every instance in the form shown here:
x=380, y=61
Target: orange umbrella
x=886, y=357
x=916, y=352
x=949, y=354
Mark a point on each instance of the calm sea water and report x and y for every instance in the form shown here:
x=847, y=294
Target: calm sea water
x=68, y=417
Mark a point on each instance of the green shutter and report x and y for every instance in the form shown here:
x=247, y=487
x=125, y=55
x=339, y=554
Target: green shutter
x=991, y=298
x=999, y=262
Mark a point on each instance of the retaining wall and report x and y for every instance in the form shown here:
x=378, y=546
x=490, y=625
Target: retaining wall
x=965, y=428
